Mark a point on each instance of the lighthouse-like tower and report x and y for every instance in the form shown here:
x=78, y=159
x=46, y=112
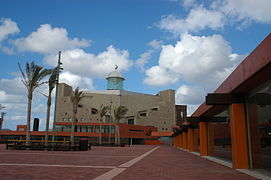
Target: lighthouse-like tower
x=115, y=80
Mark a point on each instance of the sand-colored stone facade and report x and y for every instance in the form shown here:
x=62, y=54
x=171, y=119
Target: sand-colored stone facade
x=143, y=109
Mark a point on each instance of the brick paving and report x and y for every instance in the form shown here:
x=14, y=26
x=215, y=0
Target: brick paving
x=168, y=163
x=164, y=163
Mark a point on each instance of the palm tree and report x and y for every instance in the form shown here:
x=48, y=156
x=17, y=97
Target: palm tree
x=76, y=97
x=32, y=79
x=103, y=111
x=119, y=113
x=51, y=84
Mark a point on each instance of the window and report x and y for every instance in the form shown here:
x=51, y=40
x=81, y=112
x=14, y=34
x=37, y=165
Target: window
x=154, y=109
x=82, y=119
x=136, y=130
x=94, y=111
x=70, y=119
x=131, y=121
x=143, y=114
x=64, y=119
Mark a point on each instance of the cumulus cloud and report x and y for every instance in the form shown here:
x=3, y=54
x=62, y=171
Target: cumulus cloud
x=73, y=80
x=48, y=40
x=7, y=27
x=145, y=57
x=198, y=18
x=12, y=86
x=186, y=94
x=79, y=62
x=192, y=58
x=216, y=15
x=158, y=76
x=11, y=98
x=201, y=62
x=258, y=11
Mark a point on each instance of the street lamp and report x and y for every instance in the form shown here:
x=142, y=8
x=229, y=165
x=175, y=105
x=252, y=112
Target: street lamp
x=57, y=80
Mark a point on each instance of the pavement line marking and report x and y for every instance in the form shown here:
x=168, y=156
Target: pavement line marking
x=110, y=174
x=135, y=160
x=57, y=165
x=116, y=171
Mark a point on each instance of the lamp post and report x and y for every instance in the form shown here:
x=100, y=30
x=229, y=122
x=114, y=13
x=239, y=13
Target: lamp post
x=57, y=80
x=2, y=116
x=110, y=120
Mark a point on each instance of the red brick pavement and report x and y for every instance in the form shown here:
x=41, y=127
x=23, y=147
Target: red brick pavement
x=165, y=163
x=168, y=163
x=18, y=164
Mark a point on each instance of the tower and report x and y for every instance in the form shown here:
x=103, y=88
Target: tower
x=115, y=80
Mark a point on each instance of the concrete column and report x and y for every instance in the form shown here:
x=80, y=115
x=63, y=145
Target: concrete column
x=238, y=136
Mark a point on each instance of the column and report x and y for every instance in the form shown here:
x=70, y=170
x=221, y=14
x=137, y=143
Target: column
x=190, y=139
x=203, y=139
x=180, y=141
x=184, y=140
x=238, y=136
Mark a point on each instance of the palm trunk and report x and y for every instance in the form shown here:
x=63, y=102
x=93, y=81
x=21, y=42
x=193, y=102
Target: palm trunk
x=116, y=138
x=100, y=135
x=29, y=105
x=73, y=128
x=47, y=118
x=118, y=134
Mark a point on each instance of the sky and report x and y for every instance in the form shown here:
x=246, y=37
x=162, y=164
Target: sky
x=187, y=45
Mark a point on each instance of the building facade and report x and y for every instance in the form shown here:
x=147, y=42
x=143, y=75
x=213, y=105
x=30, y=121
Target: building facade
x=143, y=109
x=234, y=122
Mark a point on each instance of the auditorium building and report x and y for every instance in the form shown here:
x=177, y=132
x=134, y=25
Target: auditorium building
x=146, y=114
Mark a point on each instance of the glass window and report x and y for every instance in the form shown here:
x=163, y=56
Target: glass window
x=259, y=115
x=130, y=121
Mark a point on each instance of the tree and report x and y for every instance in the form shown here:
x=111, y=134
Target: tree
x=32, y=79
x=51, y=86
x=76, y=97
x=119, y=113
x=103, y=112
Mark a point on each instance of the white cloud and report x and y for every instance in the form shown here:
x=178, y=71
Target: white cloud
x=73, y=80
x=11, y=98
x=191, y=95
x=156, y=44
x=258, y=11
x=145, y=57
x=157, y=76
x=201, y=62
x=192, y=58
x=7, y=27
x=188, y=3
x=79, y=62
x=49, y=40
x=198, y=18
x=12, y=86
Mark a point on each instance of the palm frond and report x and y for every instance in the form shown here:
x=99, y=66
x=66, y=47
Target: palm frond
x=119, y=113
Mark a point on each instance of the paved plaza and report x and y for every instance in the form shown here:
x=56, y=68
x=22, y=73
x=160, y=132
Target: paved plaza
x=118, y=163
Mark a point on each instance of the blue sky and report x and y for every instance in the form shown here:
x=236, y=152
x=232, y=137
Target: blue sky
x=187, y=45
